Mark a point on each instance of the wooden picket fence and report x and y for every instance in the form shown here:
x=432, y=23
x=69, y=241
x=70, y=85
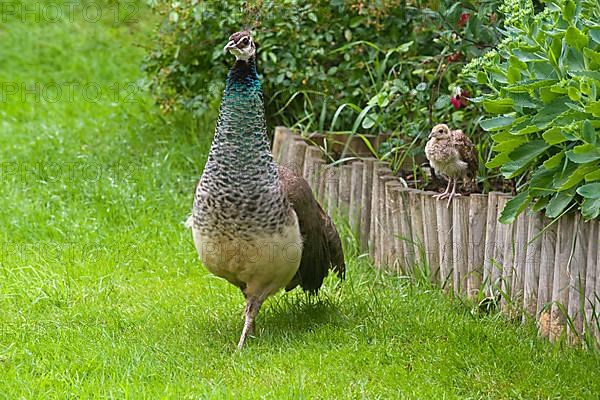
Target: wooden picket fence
x=533, y=267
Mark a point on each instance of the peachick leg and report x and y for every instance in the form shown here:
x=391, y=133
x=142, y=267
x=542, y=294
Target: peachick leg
x=453, y=193
x=445, y=194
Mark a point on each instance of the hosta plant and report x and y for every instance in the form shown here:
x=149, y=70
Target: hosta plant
x=543, y=106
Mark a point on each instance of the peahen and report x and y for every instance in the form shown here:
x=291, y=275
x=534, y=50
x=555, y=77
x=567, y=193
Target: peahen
x=254, y=223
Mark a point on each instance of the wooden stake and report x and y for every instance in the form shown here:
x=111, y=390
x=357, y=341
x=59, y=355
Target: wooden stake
x=355, y=197
x=394, y=244
x=477, y=239
x=332, y=185
x=491, y=243
x=560, y=285
x=460, y=242
x=591, y=276
x=308, y=171
x=508, y=259
x=296, y=152
x=386, y=241
x=407, y=258
x=577, y=274
x=532, y=263
x=500, y=244
x=344, y=191
x=379, y=169
x=520, y=261
x=597, y=294
x=418, y=233
x=320, y=179
x=281, y=140
x=549, y=245
x=444, y=225
x=430, y=236
x=366, y=196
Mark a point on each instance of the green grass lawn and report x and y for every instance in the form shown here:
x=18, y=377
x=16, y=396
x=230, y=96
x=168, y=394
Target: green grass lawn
x=101, y=292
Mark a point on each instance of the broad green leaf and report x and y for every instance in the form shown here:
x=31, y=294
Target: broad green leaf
x=563, y=173
x=545, y=116
x=588, y=132
x=590, y=191
x=522, y=156
x=554, y=136
x=558, y=203
x=584, y=153
x=482, y=77
x=531, y=85
x=509, y=145
x=499, y=160
x=572, y=60
x=496, y=123
x=498, y=106
x=577, y=176
x=513, y=74
x=574, y=93
x=523, y=99
x=595, y=34
x=527, y=56
x=442, y=102
x=541, y=182
x=547, y=95
x=590, y=208
x=540, y=204
x=575, y=38
x=593, y=108
x=518, y=64
x=590, y=74
x=514, y=207
x=592, y=57
x=554, y=161
x=569, y=10
x=524, y=131
x=593, y=176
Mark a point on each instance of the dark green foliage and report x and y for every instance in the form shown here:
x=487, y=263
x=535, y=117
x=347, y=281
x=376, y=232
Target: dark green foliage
x=315, y=56
x=544, y=80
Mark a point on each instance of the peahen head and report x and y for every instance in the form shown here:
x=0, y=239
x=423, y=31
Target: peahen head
x=241, y=45
x=440, y=131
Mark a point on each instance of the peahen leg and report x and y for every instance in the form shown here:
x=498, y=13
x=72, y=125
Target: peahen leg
x=252, y=306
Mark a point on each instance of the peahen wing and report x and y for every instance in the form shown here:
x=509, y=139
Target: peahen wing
x=466, y=149
x=322, y=248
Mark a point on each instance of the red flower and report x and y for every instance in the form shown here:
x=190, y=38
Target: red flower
x=460, y=98
x=455, y=100
x=464, y=18
x=454, y=57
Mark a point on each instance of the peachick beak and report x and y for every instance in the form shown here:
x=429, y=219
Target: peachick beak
x=229, y=45
x=430, y=135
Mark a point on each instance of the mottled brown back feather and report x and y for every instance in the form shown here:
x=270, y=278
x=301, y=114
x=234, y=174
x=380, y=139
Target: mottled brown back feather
x=466, y=149
x=322, y=248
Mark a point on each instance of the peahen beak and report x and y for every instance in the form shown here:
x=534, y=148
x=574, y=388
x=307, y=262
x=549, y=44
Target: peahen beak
x=228, y=46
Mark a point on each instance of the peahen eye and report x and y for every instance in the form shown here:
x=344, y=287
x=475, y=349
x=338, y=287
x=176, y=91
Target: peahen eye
x=245, y=41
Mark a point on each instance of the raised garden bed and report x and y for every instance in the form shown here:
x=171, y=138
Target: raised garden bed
x=530, y=267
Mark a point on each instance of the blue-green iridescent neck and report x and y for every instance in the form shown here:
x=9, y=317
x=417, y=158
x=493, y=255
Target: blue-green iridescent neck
x=241, y=135
x=243, y=76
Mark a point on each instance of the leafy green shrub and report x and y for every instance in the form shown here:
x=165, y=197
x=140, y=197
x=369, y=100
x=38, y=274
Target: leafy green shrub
x=302, y=73
x=545, y=82
x=317, y=55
